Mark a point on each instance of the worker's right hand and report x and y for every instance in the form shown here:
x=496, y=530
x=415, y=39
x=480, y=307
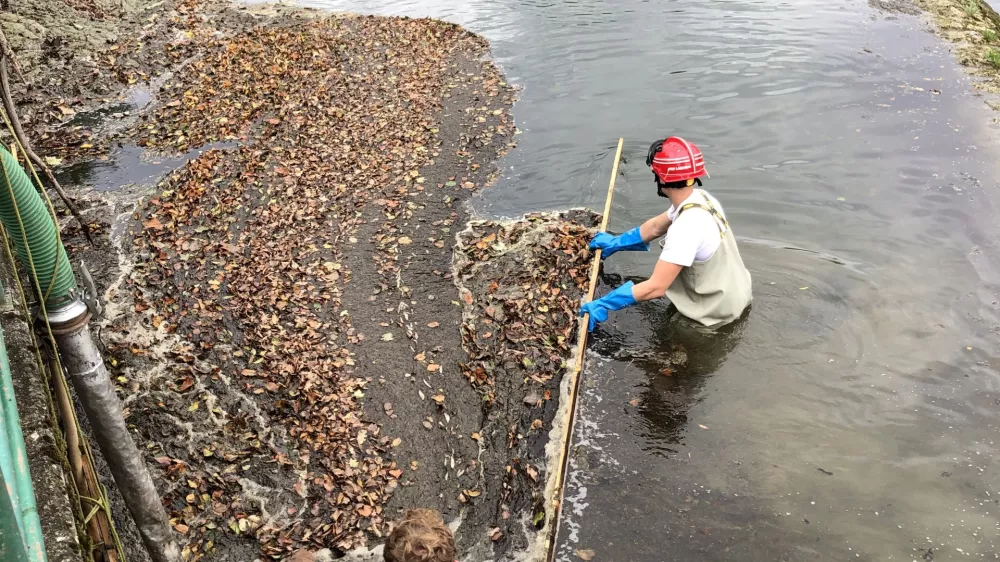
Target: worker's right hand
x=615, y=300
x=609, y=244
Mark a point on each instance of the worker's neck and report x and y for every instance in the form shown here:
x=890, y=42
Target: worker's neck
x=678, y=196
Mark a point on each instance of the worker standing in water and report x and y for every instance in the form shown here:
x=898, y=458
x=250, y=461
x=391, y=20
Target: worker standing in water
x=700, y=269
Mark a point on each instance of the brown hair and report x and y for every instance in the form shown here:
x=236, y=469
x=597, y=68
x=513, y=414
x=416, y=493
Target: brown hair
x=421, y=536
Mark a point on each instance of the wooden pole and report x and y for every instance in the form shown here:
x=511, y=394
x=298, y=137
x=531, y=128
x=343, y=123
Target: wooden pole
x=574, y=383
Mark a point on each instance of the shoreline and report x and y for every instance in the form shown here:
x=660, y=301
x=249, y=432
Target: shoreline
x=971, y=28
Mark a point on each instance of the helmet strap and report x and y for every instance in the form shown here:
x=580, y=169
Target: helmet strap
x=660, y=187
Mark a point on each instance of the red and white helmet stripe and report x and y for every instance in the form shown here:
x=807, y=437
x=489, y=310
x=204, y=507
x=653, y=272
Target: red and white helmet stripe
x=678, y=160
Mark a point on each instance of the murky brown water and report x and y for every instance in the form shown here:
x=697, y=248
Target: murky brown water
x=854, y=415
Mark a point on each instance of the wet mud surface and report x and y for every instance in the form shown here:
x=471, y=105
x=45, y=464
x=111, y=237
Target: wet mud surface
x=307, y=334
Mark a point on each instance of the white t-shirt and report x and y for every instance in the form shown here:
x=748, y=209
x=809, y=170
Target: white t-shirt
x=696, y=236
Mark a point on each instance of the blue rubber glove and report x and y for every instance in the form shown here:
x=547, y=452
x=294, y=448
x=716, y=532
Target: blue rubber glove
x=615, y=300
x=631, y=241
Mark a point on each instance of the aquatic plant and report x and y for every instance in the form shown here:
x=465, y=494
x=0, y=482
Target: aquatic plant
x=993, y=57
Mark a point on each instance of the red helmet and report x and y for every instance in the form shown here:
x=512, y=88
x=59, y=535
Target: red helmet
x=674, y=159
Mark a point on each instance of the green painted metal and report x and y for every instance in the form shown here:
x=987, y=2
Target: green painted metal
x=20, y=527
x=48, y=257
x=12, y=547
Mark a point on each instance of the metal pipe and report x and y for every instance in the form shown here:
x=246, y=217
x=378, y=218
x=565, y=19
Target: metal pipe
x=90, y=378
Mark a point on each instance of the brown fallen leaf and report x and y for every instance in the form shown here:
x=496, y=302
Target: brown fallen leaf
x=585, y=554
x=433, y=367
x=187, y=383
x=472, y=493
x=495, y=534
x=433, y=324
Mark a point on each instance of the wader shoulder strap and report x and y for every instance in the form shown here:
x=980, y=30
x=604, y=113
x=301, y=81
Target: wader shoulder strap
x=720, y=221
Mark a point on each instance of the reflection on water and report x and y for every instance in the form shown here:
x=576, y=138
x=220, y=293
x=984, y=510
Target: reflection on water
x=128, y=165
x=677, y=357
x=854, y=413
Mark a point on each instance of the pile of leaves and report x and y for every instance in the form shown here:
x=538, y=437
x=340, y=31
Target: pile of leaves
x=522, y=283
x=241, y=256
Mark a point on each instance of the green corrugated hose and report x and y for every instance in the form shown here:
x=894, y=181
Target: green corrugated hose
x=48, y=257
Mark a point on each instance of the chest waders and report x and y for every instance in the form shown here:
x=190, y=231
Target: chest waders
x=716, y=291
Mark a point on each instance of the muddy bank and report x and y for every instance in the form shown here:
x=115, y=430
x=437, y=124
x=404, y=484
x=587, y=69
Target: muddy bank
x=307, y=333
x=86, y=68
x=62, y=51
x=971, y=26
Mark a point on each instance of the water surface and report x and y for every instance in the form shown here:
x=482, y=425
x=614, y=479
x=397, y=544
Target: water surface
x=854, y=413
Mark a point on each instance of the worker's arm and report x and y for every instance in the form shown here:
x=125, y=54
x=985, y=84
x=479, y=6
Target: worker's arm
x=655, y=227
x=629, y=293
x=656, y=286
x=637, y=239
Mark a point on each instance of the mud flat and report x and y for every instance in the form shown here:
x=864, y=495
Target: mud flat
x=308, y=330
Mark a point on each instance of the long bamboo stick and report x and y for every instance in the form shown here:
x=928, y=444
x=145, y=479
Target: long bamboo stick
x=574, y=383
